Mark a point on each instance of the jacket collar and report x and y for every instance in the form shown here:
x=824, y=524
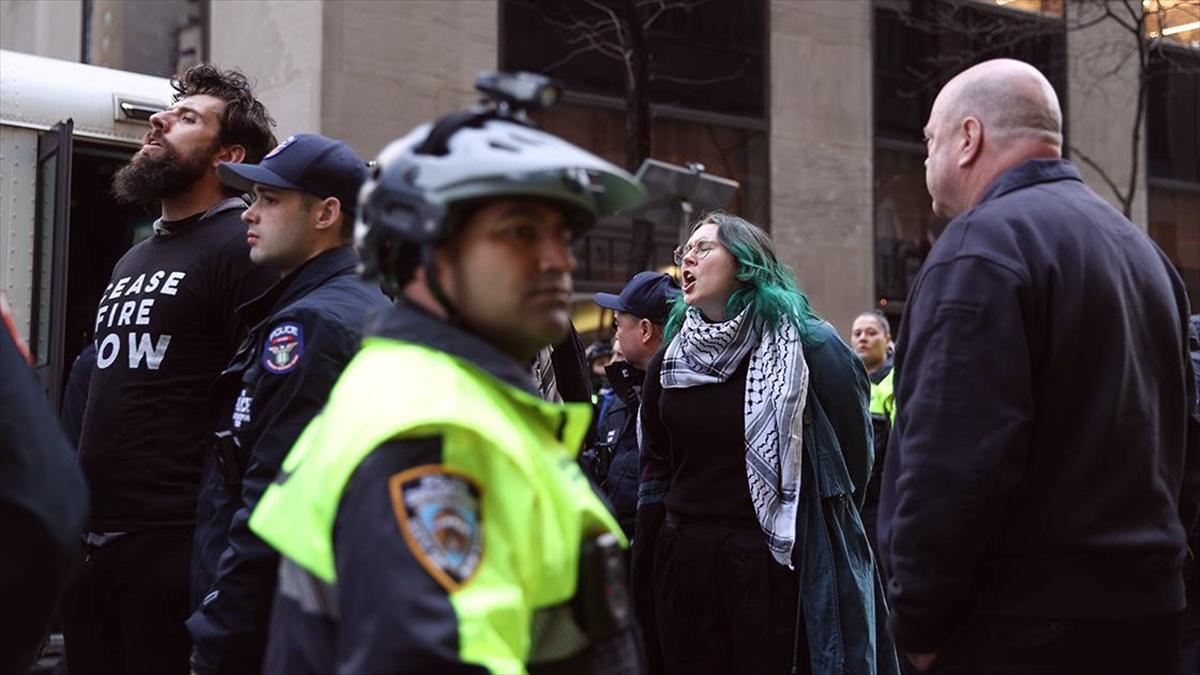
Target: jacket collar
x=315, y=272
x=882, y=372
x=1030, y=172
x=408, y=323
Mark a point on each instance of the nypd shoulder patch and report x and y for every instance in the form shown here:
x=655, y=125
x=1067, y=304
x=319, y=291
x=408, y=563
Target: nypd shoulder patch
x=283, y=347
x=439, y=512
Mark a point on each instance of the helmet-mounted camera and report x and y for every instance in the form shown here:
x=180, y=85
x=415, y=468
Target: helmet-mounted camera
x=515, y=94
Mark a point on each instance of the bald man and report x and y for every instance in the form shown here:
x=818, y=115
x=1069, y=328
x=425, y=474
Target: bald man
x=1035, y=502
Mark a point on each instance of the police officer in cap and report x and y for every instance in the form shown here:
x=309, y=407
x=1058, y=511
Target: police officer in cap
x=639, y=314
x=433, y=518
x=302, y=333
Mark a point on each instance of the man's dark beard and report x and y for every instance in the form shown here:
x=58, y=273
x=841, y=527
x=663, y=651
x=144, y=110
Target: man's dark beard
x=148, y=179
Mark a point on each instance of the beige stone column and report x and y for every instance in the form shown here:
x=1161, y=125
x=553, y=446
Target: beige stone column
x=279, y=45
x=52, y=29
x=390, y=66
x=821, y=151
x=364, y=71
x=1102, y=106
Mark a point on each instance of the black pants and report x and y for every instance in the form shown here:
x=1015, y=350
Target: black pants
x=125, y=610
x=723, y=605
x=994, y=645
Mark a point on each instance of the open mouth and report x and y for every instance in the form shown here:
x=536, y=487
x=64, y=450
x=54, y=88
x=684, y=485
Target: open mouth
x=152, y=142
x=689, y=281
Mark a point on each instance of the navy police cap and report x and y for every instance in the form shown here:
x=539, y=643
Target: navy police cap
x=322, y=167
x=645, y=296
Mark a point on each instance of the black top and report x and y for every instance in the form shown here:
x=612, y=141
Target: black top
x=1053, y=476
x=164, y=329
x=703, y=432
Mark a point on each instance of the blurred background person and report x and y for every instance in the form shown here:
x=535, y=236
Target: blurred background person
x=755, y=431
x=871, y=338
x=597, y=356
x=639, y=316
x=43, y=504
x=1190, y=654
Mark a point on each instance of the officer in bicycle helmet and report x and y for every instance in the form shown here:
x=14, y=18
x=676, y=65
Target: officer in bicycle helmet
x=432, y=518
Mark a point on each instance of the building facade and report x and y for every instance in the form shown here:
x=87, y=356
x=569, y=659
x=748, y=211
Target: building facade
x=815, y=107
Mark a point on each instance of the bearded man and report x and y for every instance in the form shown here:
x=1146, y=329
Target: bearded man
x=165, y=328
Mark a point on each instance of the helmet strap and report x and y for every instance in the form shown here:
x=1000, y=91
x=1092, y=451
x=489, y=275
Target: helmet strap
x=428, y=257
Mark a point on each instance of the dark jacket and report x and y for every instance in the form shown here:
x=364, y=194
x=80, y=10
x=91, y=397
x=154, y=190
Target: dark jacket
x=43, y=507
x=1042, y=462
x=303, y=331
x=612, y=459
x=842, y=600
x=74, y=401
x=881, y=426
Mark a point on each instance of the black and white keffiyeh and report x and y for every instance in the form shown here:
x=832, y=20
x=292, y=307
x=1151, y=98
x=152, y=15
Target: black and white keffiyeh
x=776, y=393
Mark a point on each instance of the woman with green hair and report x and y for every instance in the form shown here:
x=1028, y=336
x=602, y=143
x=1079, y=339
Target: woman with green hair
x=749, y=555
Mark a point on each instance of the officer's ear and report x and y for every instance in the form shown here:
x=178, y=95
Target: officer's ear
x=645, y=330
x=329, y=214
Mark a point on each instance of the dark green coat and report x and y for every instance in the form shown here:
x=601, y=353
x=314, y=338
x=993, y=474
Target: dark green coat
x=845, y=613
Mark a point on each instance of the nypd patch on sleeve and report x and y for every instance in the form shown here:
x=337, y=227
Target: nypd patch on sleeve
x=283, y=347
x=439, y=513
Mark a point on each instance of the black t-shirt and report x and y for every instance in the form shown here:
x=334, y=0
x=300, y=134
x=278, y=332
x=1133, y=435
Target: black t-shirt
x=705, y=431
x=165, y=329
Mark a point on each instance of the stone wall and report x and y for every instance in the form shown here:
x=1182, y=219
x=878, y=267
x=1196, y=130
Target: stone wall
x=820, y=151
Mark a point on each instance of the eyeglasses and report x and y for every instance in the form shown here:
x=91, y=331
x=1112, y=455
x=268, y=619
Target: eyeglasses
x=700, y=249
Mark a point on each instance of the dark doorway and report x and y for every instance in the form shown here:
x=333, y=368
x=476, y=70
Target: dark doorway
x=101, y=231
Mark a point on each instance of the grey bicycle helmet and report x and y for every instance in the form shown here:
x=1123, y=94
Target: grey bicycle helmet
x=418, y=180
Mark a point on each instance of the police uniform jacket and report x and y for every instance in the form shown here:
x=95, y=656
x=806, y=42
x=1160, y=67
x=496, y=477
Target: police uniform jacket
x=304, y=330
x=613, y=457
x=433, y=519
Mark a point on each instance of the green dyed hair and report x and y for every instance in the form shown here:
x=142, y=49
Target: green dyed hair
x=766, y=285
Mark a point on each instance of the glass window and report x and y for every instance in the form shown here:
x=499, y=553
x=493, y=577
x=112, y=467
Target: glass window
x=905, y=225
x=919, y=46
x=1172, y=111
x=708, y=92
x=1175, y=227
x=1173, y=160
x=615, y=250
x=156, y=38
x=704, y=56
x=1044, y=7
x=1174, y=20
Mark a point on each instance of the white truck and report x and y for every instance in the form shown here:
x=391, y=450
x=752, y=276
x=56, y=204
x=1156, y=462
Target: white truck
x=65, y=128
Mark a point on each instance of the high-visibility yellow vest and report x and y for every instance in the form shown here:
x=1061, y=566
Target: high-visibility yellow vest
x=883, y=397
x=536, y=506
